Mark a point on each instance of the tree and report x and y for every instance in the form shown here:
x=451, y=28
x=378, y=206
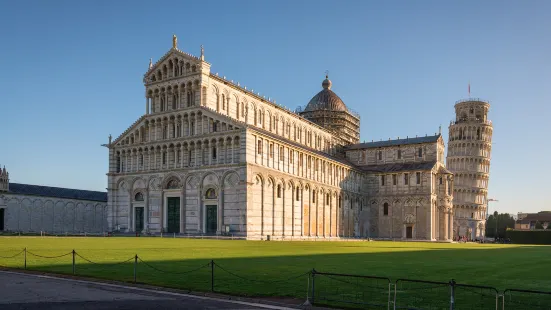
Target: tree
x=504, y=221
x=539, y=225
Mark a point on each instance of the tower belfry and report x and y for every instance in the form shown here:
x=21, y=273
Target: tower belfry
x=4, y=180
x=469, y=149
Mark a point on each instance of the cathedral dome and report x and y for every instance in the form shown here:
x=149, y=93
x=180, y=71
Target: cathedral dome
x=326, y=99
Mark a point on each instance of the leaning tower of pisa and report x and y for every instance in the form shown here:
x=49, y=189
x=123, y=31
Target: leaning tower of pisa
x=469, y=148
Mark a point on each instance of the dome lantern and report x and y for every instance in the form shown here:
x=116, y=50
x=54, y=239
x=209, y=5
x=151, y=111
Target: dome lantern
x=326, y=99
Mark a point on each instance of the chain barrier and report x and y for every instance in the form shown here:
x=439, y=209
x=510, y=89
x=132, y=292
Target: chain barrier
x=407, y=293
x=42, y=256
x=8, y=257
x=172, y=272
x=348, y=282
x=262, y=281
x=350, y=291
x=106, y=263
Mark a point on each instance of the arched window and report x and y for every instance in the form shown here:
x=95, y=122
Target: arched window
x=279, y=191
x=420, y=152
x=385, y=208
x=297, y=194
x=138, y=197
x=118, y=163
x=259, y=148
x=189, y=98
x=326, y=199
x=214, y=152
x=313, y=196
x=478, y=134
x=260, y=118
x=210, y=194
x=380, y=155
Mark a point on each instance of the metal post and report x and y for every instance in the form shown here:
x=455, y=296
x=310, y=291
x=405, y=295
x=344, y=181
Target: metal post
x=73, y=261
x=313, y=285
x=212, y=275
x=452, y=299
x=135, y=266
x=25, y=251
x=307, y=302
x=395, y=291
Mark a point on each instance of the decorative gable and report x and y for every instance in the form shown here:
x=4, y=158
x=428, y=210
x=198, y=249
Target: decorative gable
x=174, y=64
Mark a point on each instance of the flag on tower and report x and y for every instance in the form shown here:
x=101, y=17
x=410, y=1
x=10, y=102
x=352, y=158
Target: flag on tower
x=469, y=89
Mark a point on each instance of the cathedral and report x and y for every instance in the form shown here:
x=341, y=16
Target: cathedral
x=211, y=157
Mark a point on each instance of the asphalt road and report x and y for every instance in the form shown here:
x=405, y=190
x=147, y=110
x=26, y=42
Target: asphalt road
x=26, y=291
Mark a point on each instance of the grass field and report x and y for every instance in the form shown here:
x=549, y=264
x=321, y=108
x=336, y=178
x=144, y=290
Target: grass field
x=243, y=266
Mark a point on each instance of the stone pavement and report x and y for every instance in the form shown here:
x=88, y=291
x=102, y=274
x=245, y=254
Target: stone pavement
x=27, y=291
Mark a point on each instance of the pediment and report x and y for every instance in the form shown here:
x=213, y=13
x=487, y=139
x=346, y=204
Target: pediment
x=133, y=132
x=174, y=63
x=130, y=133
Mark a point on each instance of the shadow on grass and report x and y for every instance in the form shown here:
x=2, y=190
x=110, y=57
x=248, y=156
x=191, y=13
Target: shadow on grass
x=289, y=276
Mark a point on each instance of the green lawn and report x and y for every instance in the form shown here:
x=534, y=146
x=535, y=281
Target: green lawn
x=246, y=267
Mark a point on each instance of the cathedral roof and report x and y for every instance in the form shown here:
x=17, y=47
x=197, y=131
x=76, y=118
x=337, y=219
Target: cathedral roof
x=326, y=100
x=399, y=167
x=57, y=192
x=427, y=139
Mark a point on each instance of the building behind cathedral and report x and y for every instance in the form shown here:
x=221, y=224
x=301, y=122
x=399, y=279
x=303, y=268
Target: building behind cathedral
x=38, y=209
x=210, y=156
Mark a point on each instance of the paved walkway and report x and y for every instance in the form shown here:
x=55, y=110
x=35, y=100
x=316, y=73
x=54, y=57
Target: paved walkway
x=27, y=291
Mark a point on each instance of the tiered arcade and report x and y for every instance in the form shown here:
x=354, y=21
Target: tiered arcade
x=469, y=149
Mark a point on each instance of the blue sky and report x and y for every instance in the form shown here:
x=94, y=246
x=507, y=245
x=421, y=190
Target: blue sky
x=72, y=74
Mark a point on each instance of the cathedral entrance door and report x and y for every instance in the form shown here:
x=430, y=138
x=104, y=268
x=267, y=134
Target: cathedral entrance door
x=409, y=232
x=211, y=219
x=138, y=219
x=173, y=215
x=2, y=218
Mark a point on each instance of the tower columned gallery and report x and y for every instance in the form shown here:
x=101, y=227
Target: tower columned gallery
x=469, y=149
